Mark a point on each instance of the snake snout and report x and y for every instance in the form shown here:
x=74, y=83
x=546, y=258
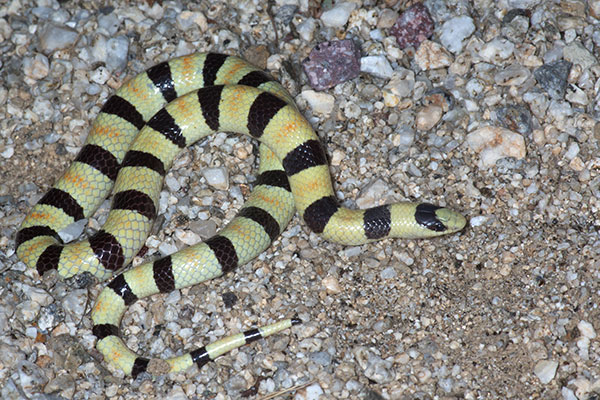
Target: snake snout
x=452, y=220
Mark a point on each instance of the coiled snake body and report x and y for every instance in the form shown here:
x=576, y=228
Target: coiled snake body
x=132, y=144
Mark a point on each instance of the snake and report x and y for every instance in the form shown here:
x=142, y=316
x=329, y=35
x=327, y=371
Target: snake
x=132, y=144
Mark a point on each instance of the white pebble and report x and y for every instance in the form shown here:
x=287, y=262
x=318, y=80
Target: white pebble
x=75, y=302
x=478, y=221
x=38, y=295
x=172, y=183
x=167, y=248
x=405, y=138
x=428, y=117
x=117, y=50
x=577, y=96
x=54, y=37
x=586, y=329
x=72, y=231
x=567, y=394
x=185, y=333
x=388, y=273
x=545, y=370
x=108, y=24
x=372, y=193
x=306, y=29
x=377, y=66
x=331, y=285
x=36, y=67
x=100, y=75
x=8, y=152
x=216, y=177
x=177, y=393
x=321, y=103
x=454, y=31
x=337, y=157
x=204, y=228
x=572, y=151
x=493, y=143
x=188, y=237
x=513, y=75
x=312, y=392
x=338, y=15
x=43, y=108
x=28, y=310
x=31, y=331
x=352, y=251
x=577, y=54
x=496, y=50
x=583, y=343
x=173, y=297
x=187, y=19
x=402, y=83
x=406, y=259
x=474, y=87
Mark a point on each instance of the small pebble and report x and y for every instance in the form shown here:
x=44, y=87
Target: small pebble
x=586, y=329
x=545, y=370
x=331, y=285
x=118, y=48
x=552, y=78
x=513, y=75
x=576, y=53
x=321, y=357
x=306, y=29
x=377, y=66
x=496, y=50
x=176, y=393
x=567, y=394
x=493, y=143
x=401, y=83
x=216, y=177
x=428, y=117
x=54, y=37
x=431, y=55
x=204, y=229
x=373, y=366
x=74, y=303
x=330, y=63
x=72, y=231
x=372, y=194
x=454, y=31
x=388, y=273
x=413, y=26
x=320, y=103
x=109, y=24
x=38, y=295
x=188, y=237
x=312, y=392
x=189, y=19
x=577, y=96
x=478, y=221
x=387, y=18
x=338, y=15
x=515, y=117
x=37, y=67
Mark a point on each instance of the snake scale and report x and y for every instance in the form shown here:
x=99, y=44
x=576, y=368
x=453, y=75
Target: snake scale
x=131, y=145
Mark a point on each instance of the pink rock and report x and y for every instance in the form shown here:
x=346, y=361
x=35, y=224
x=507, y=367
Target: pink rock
x=330, y=63
x=413, y=26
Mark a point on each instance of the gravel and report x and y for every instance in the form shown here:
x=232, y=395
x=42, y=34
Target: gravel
x=508, y=308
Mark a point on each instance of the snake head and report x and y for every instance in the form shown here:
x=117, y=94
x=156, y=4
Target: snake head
x=439, y=220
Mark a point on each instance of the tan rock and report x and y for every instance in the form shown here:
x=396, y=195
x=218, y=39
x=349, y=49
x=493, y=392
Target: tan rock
x=493, y=143
x=431, y=55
